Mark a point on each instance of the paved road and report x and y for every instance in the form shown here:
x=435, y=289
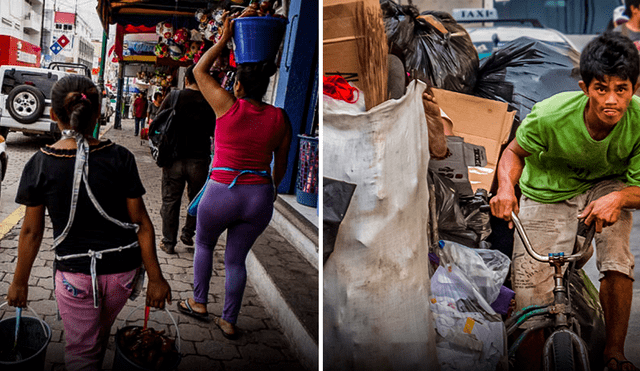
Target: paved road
x=262, y=345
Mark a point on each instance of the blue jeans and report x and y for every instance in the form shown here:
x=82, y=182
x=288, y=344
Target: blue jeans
x=139, y=124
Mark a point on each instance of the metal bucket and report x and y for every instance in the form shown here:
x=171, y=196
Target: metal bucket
x=122, y=363
x=33, y=339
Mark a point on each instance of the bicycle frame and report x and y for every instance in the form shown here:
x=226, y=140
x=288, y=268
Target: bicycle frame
x=559, y=314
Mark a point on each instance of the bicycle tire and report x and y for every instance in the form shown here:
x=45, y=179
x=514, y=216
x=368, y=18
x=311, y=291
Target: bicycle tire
x=562, y=352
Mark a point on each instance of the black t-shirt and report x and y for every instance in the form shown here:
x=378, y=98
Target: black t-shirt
x=197, y=122
x=47, y=179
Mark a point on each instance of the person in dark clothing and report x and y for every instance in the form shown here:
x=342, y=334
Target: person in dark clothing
x=154, y=107
x=195, y=126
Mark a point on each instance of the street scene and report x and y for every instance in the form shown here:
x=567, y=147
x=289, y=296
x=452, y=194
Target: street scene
x=159, y=198
x=477, y=215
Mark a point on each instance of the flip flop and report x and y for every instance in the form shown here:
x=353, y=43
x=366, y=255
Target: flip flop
x=185, y=308
x=227, y=335
x=619, y=365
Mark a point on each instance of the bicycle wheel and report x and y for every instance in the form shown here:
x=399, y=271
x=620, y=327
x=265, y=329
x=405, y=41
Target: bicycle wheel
x=562, y=352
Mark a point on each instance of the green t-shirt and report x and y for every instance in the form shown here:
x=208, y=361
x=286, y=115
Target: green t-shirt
x=565, y=161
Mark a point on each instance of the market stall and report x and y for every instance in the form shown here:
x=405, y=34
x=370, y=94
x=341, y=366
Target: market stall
x=185, y=28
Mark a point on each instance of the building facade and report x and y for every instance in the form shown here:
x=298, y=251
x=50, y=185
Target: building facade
x=20, y=32
x=72, y=33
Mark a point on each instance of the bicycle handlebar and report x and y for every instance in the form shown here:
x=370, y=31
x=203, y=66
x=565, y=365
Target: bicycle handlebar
x=545, y=259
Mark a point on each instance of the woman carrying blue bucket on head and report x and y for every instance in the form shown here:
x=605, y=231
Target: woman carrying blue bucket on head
x=241, y=191
x=102, y=232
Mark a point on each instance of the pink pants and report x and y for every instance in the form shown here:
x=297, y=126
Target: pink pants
x=87, y=328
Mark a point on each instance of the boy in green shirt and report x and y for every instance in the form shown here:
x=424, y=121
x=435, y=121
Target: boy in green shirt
x=575, y=156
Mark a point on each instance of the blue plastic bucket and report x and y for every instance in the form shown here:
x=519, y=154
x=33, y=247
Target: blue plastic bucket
x=257, y=39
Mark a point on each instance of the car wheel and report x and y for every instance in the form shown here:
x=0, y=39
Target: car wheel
x=25, y=104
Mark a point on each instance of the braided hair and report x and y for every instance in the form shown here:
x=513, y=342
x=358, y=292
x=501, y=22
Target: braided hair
x=75, y=100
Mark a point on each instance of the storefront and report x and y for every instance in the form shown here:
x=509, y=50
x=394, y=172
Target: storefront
x=14, y=51
x=296, y=85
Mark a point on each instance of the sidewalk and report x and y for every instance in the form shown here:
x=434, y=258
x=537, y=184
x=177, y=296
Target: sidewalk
x=262, y=345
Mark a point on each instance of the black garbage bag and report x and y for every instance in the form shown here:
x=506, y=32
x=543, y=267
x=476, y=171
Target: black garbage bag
x=585, y=302
x=336, y=198
x=526, y=71
x=444, y=60
x=460, y=219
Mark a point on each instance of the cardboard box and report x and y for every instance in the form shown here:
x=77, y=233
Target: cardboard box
x=455, y=167
x=478, y=121
x=340, y=54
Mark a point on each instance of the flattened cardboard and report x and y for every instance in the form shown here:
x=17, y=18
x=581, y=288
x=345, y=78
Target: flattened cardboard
x=340, y=52
x=479, y=121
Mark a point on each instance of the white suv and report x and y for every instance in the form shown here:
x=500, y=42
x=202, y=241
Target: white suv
x=25, y=97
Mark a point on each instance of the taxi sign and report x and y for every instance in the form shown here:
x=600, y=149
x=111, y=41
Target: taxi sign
x=475, y=14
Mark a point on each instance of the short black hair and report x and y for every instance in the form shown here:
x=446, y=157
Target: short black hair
x=157, y=95
x=628, y=4
x=188, y=74
x=610, y=54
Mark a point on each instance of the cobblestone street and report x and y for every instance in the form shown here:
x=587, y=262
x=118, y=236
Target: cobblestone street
x=262, y=345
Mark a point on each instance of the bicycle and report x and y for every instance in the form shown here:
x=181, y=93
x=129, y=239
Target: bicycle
x=565, y=340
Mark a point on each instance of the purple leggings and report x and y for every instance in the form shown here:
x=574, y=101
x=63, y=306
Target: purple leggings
x=245, y=212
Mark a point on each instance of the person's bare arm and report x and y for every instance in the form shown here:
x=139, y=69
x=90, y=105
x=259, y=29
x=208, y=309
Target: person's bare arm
x=510, y=169
x=28, y=246
x=281, y=154
x=605, y=211
x=158, y=289
x=219, y=99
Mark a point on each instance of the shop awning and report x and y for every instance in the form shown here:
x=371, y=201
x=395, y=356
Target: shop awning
x=148, y=12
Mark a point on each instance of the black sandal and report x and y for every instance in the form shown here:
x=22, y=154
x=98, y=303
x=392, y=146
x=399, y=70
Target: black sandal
x=185, y=308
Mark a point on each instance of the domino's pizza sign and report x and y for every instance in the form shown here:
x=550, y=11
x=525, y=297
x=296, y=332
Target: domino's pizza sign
x=55, y=48
x=475, y=15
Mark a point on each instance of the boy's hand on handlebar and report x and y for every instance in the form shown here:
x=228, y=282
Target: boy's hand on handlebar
x=604, y=211
x=502, y=204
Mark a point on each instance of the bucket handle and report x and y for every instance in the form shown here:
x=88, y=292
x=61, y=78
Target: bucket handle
x=44, y=328
x=175, y=324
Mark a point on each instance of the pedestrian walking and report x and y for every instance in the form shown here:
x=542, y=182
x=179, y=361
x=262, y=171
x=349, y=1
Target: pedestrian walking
x=194, y=122
x=154, y=107
x=140, y=112
x=240, y=192
x=575, y=156
x=103, y=236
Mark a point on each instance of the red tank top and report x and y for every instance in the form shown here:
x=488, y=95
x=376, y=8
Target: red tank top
x=245, y=139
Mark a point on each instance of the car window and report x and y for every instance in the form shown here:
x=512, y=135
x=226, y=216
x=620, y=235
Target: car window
x=43, y=81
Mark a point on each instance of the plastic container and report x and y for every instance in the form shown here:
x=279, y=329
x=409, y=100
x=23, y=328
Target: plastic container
x=120, y=360
x=33, y=339
x=307, y=181
x=257, y=39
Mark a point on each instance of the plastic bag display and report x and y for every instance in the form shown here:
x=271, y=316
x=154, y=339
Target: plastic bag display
x=446, y=60
x=526, y=71
x=487, y=269
x=336, y=198
x=471, y=335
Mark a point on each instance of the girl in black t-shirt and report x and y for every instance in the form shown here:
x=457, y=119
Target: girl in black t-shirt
x=93, y=194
